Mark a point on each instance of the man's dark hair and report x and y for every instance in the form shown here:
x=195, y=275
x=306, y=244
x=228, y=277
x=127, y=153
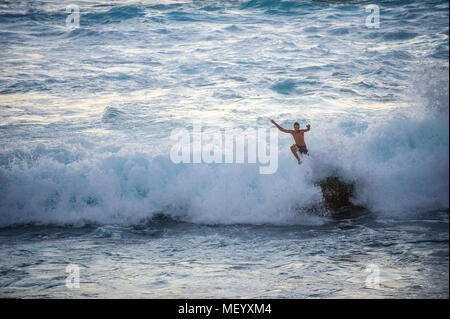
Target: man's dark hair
x=296, y=123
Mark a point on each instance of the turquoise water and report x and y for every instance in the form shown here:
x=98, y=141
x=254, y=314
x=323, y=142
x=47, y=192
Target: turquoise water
x=85, y=175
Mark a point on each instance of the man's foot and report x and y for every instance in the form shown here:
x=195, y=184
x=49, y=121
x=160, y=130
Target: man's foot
x=299, y=162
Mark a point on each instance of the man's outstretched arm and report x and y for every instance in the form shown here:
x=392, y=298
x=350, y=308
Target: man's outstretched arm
x=279, y=127
x=308, y=127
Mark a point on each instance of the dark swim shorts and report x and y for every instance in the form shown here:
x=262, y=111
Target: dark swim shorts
x=302, y=149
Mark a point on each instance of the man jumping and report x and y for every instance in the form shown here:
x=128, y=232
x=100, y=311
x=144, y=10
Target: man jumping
x=299, y=139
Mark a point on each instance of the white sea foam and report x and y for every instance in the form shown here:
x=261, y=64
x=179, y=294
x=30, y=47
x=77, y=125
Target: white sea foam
x=397, y=166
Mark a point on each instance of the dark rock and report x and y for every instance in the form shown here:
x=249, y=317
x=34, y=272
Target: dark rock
x=336, y=193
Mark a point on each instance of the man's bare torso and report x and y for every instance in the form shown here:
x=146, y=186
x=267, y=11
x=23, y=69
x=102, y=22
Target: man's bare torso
x=299, y=138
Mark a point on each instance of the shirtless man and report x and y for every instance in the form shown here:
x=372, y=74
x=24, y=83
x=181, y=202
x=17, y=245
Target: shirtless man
x=297, y=133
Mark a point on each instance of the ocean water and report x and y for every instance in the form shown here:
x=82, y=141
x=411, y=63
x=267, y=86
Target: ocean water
x=86, y=179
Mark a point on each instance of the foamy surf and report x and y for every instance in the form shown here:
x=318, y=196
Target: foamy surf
x=398, y=166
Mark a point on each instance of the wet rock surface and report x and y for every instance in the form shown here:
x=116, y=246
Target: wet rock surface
x=336, y=193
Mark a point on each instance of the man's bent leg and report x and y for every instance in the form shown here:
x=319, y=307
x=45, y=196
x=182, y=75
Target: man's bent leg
x=294, y=151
